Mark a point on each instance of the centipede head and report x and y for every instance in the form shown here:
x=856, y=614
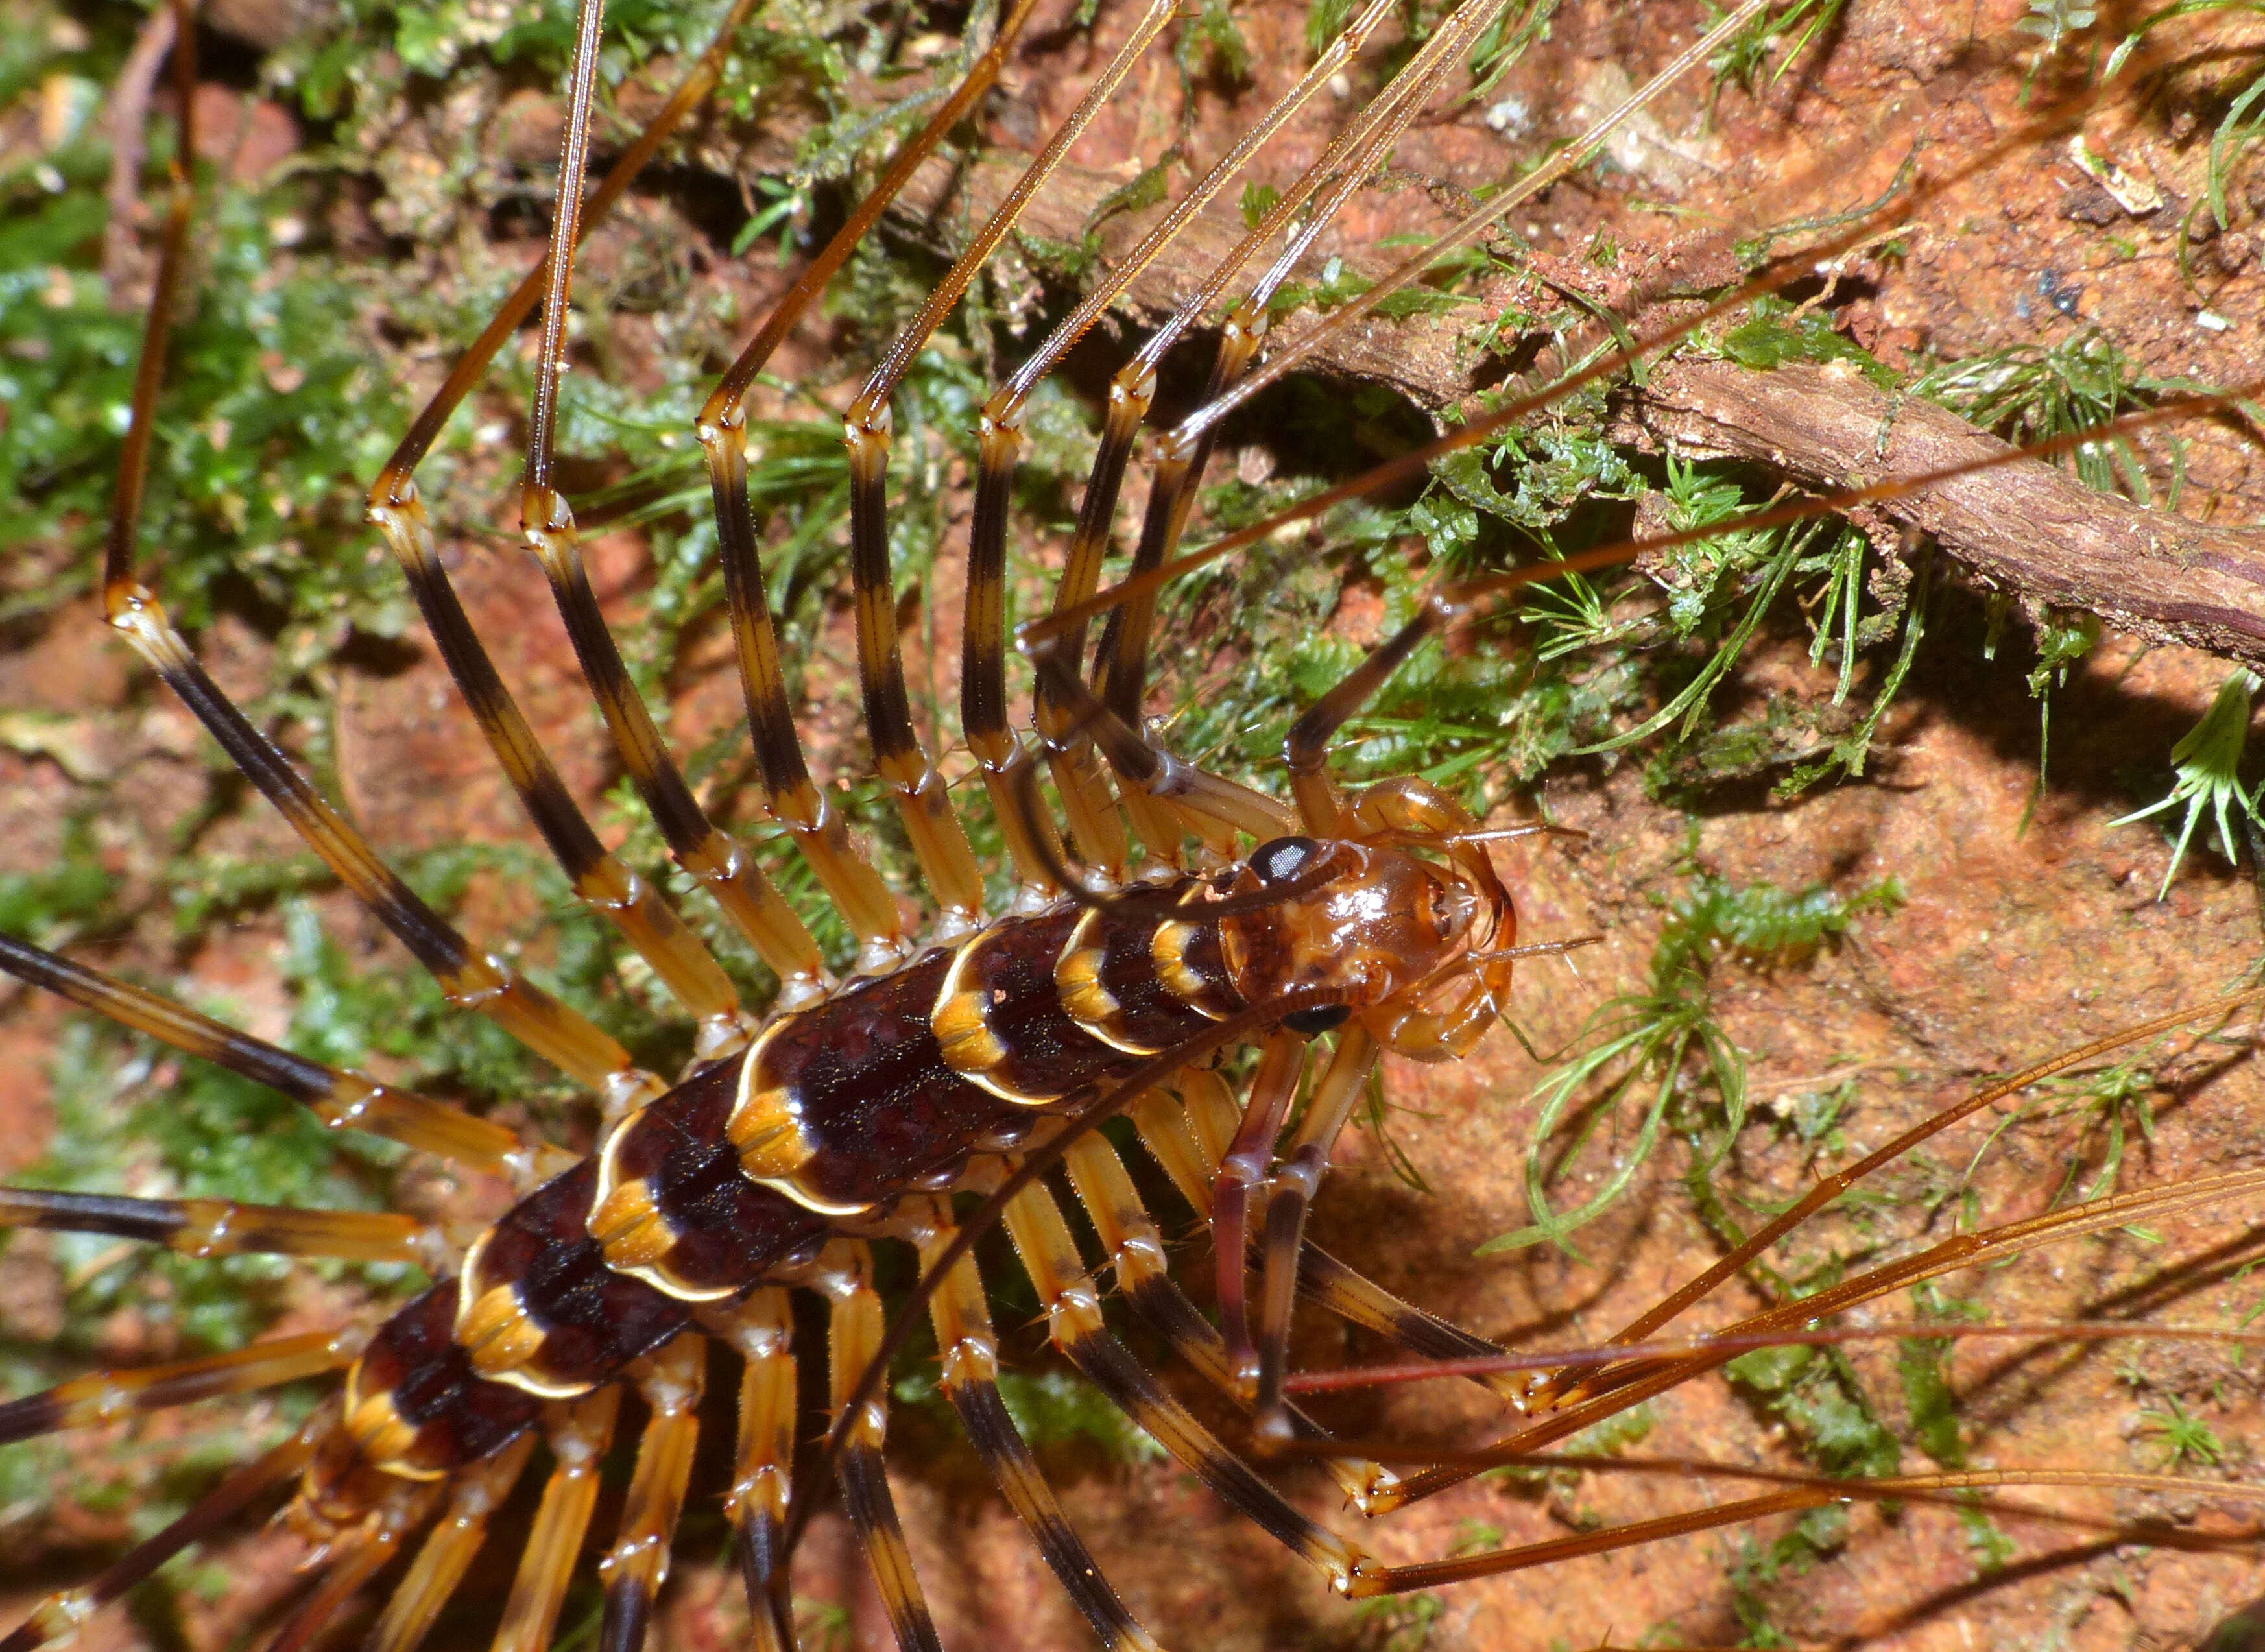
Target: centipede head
x=1398, y=921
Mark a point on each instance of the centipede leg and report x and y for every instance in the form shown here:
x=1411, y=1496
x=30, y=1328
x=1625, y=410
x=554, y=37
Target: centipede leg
x=222, y=1227
x=57, y=1619
x=1094, y=823
x=104, y=1397
x=1073, y=1306
x=339, y=1098
x=449, y=1548
x=1243, y=1173
x=761, y=1329
x=1189, y=1136
x=580, y=1431
x=1290, y=1196
x=844, y=1276
x=470, y=978
x=1344, y=166
x=725, y=868
x=983, y=710
x=1135, y=1248
x=634, y=1569
x=634, y=906
x=971, y=1382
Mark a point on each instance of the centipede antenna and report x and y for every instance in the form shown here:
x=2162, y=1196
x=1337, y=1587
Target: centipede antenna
x=340, y=1098
x=789, y=795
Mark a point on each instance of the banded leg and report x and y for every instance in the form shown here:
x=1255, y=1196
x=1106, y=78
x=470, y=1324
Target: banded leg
x=935, y=832
x=1475, y=224
x=1073, y=1306
x=222, y=1227
x=57, y=1619
x=844, y=1276
x=1243, y=1173
x=789, y=795
x=580, y=1431
x=104, y=1397
x=1135, y=1248
x=446, y=1552
x=471, y=979
x=1191, y=792
x=340, y=1099
x=1290, y=1196
x=669, y=1380
x=637, y=908
x=970, y=1352
x=725, y=867
x=1187, y=450
x=983, y=680
x=1343, y=167
x=1189, y=1136
x=761, y=1329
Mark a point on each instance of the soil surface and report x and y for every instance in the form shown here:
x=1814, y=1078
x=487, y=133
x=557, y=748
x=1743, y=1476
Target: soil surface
x=2030, y=920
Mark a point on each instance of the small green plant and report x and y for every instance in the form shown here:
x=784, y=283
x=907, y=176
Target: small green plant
x=2034, y=393
x=1742, y=61
x=1665, y=1041
x=824, y=1626
x=2208, y=762
x=2238, y=128
x=2115, y=1102
x=1932, y=1405
x=2182, y=1439
x=1397, y=1625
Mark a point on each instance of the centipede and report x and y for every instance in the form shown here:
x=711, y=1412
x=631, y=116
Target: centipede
x=1048, y=824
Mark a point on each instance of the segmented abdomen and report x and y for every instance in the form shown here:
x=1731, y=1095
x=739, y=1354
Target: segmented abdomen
x=740, y=1172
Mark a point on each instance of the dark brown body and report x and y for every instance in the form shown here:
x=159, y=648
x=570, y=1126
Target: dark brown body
x=737, y=1175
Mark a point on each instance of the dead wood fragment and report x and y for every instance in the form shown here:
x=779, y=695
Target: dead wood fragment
x=2026, y=528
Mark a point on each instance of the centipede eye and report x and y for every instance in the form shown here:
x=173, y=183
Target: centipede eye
x=1278, y=860
x=1309, y=1023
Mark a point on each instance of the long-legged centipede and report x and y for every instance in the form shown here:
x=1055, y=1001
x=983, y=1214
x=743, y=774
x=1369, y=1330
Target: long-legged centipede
x=1151, y=901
